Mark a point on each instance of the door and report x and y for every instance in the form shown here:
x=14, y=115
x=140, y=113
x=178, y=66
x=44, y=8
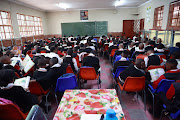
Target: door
x=128, y=26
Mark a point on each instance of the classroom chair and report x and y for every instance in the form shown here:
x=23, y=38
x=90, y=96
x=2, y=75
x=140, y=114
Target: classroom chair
x=88, y=73
x=36, y=114
x=118, y=71
x=133, y=84
x=163, y=86
x=10, y=111
x=112, y=54
x=141, y=56
x=36, y=89
x=171, y=115
x=69, y=69
x=162, y=57
x=106, y=46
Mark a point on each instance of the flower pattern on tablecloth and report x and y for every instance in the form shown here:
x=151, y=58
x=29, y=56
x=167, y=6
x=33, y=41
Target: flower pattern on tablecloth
x=74, y=103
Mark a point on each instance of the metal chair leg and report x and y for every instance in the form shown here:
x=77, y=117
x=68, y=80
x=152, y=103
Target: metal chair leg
x=153, y=105
x=144, y=100
x=161, y=115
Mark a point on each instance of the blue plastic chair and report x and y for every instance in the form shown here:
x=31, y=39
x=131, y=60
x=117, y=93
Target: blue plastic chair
x=66, y=81
x=163, y=86
x=172, y=115
x=118, y=71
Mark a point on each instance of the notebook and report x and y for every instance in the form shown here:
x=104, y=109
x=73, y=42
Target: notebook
x=23, y=82
x=156, y=73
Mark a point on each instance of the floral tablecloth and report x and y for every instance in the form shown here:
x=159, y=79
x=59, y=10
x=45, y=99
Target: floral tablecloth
x=74, y=103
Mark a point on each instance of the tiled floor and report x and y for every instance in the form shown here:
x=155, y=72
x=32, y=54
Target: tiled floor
x=133, y=108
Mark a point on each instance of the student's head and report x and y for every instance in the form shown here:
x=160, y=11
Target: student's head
x=53, y=49
x=171, y=64
x=132, y=44
x=176, y=55
x=140, y=64
x=121, y=46
x=125, y=53
x=75, y=49
x=5, y=59
x=159, y=40
x=178, y=44
x=38, y=50
x=154, y=38
x=147, y=42
x=141, y=46
x=149, y=52
x=41, y=63
x=46, y=60
x=53, y=61
x=69, y=52
x=7, y=76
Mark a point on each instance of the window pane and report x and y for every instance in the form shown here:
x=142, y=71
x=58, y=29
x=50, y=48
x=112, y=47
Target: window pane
x=6, y=29
x=3, y=14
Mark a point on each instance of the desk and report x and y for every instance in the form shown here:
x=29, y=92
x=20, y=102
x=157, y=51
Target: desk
x=74, y=103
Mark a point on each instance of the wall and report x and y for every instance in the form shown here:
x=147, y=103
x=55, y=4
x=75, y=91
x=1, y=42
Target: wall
x=115, y=21
x=154, y=4
x=15, y=8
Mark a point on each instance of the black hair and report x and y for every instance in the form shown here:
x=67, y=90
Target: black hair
x=69, y=52
x=54, y=60
x=38, y=50
x=126, y=53
x=41, y=62
x=178, y=44
x=173, y=62
x=52, y=49
x=6, y=76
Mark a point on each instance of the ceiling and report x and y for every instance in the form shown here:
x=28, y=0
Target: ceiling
x=50, y=5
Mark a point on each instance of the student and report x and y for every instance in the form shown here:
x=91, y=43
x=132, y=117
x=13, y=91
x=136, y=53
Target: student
x=53, y=51
x=92, y=61
x=41, y=71
x=148, y=46
x=159, y=42
x=15, y=93
x=171, y=72
x=152, y=59
x=55, y=71
x=159, y=50
x=120, y=50
x=139, y=50
x=114, y=46
x=70, y=60
x=136, y=70
x=122, y=62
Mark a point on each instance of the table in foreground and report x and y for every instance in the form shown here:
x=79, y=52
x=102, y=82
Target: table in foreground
x=74, y=103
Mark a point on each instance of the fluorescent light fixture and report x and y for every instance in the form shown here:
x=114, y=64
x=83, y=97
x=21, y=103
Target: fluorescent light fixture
x=118, y=3
x=62, y=5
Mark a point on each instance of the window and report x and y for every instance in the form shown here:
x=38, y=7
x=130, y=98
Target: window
x=6, y=30
x=29, y=25
x=158, y=17
x=174, y=16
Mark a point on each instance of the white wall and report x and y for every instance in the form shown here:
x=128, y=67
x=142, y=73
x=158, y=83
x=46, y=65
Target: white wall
x=115, y=21
x=154, y=4
x=15, y=8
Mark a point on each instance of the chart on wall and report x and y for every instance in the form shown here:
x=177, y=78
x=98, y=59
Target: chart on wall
x=97, y=28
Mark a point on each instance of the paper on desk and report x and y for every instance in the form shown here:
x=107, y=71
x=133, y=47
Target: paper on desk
x=90, y=116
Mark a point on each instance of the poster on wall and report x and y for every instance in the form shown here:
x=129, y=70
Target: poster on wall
x=83, y=14
x=148, y=13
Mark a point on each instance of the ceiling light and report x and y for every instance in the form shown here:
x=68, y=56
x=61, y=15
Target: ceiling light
x=62, y=5
x=118, y=3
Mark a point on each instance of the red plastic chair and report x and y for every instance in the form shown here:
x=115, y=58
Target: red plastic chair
x=134, y=84
x=141, y=56
x=154, y=67
x=112, y=54
x=10, y=111
x=77, y=60
x=43, y=51
x=16, y=67
x=106, y=46
x=69, y=69
x=162, y=57
x=36, y=89
x=88, y=73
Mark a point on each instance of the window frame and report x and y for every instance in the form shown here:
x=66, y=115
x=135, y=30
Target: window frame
x=31, y=27
x=158, y=11
x=9, y=25
x=170, y=16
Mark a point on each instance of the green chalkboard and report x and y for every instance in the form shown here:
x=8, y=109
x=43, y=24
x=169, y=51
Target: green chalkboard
x=84, y=28
x=101, y=28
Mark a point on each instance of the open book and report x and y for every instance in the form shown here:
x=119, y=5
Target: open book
x=23, y=82
x=27, y=64
x=156, y=73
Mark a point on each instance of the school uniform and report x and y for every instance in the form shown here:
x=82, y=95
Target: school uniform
x=52, y=75
x=39, y=73
x=171, y=75
x=152, y=59
x=72, y=61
